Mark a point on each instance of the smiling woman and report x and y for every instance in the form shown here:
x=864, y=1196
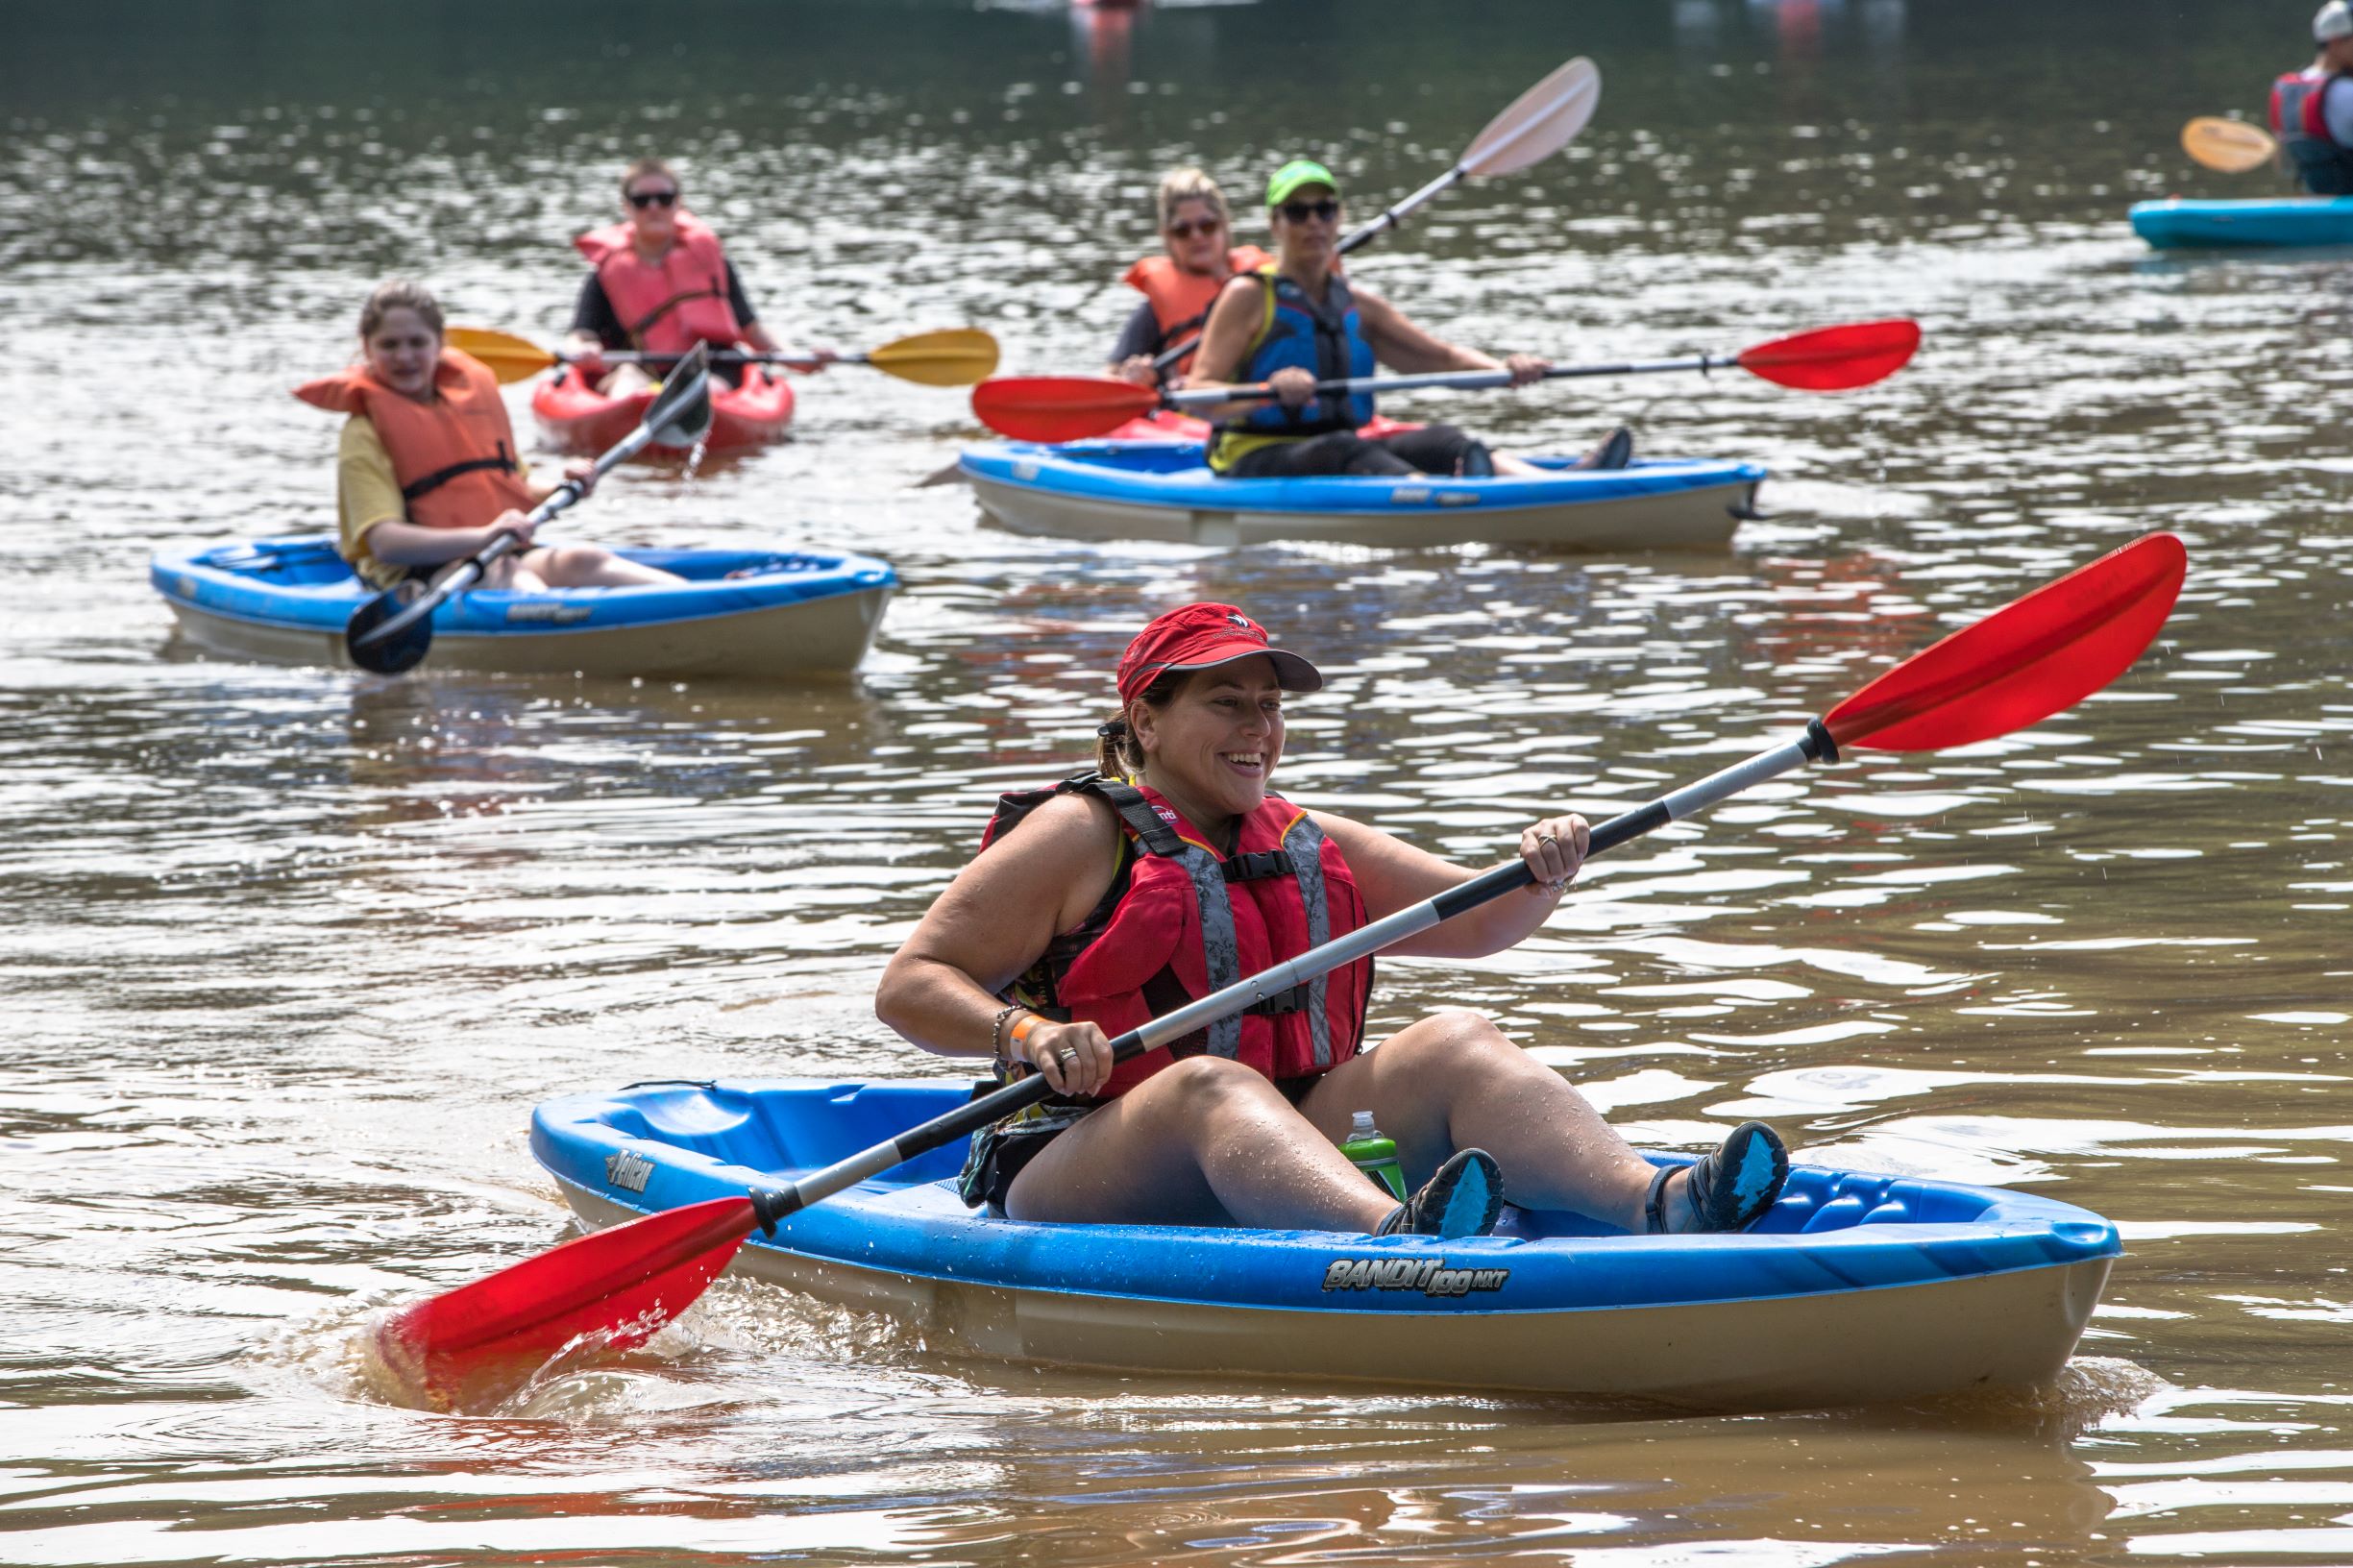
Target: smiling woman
x=1170, y=872
x=427, y=471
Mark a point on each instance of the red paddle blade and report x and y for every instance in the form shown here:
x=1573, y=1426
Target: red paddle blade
x=1059, y=407
x=473, y=1345
x=1835, y=358
x=2026, y=661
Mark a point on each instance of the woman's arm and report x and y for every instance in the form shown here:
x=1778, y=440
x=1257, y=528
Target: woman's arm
x=940, y=990
x=1225, y=348
x=1393, y=875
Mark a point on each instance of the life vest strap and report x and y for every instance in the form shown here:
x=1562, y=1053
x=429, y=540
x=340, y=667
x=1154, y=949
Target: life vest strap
x=637, y=329
x=440, y=477
x=1259, y=867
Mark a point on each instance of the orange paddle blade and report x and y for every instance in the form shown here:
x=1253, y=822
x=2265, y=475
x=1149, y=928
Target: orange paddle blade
x=511, y=358
x=2231, y=146
x=471, y=1347
x=1835, y=358
x=1059, y=407
x=2026, y=661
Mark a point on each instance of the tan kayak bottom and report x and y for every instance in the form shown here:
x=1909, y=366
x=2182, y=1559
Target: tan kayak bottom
x=813, y=637
x=1858, y=1347
x=1696, y=518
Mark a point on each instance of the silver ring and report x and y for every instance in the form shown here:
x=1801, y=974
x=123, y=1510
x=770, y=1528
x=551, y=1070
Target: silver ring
x=1546, y=838
x=1066, y=1055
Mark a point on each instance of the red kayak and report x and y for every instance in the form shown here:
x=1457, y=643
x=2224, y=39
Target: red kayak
x=1167, y=425
x=581, y=419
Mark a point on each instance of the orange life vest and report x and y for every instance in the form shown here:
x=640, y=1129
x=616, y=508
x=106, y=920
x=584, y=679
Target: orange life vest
x=1181, y=920
x=454, y=457
x=1181, y=300
x=667, y=306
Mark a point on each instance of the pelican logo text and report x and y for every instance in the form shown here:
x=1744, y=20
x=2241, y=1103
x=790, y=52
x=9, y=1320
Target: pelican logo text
x=1427, y=1275
x=627, y=1170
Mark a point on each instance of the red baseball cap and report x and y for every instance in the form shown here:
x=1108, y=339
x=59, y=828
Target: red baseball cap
x=1200, y=636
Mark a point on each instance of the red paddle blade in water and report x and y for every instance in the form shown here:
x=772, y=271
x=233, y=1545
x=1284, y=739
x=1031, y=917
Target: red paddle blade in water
x=477, y=1343
x=1835, y=358
x=2026, y=661
x=1059, y=407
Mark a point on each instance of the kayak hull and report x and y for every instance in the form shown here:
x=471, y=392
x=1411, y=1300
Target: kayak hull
x=797, y=614
x=577, y=418
x=1162, y=491
x=1855, y=1290
x=2187, y=225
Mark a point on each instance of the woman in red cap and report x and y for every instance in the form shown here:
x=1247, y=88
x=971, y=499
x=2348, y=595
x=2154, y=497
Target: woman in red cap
x=1170, y=872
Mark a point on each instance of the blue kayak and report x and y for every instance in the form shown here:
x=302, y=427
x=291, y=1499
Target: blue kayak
x=2287, y=220
x=1853, y=1289
x=1164, y=490
x=742, y=613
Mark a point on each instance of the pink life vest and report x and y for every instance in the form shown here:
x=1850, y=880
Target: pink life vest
x=667, y=306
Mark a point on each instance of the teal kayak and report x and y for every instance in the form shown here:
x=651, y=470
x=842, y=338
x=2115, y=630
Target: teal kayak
x=2289, y=220
x=1856, y=1287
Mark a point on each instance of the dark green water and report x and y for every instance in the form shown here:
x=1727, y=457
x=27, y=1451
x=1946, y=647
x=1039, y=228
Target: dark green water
x=289, y=954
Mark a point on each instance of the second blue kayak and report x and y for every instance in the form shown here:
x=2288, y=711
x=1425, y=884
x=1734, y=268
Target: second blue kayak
x=2289, y=220
x=1162, y=490
x=745, y=614
x=1856, y=1287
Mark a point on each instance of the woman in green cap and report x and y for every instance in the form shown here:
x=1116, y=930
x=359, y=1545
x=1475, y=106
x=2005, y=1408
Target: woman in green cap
x=1300, y=321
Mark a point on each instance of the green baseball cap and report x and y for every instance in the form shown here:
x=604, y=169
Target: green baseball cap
x=1291, y=176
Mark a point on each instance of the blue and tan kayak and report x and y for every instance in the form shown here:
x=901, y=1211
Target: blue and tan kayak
x=1164, y=491
x=740, y=614
x=2289, y=220
x=1856, y=1287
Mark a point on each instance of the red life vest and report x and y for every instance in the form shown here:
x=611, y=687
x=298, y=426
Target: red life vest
x=1181, y=300
x=2296, y=108
x=454, y=457
x=1180, y=921
x=669, y=306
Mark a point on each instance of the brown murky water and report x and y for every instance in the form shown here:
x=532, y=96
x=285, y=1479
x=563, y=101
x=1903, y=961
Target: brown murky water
x=287, y=954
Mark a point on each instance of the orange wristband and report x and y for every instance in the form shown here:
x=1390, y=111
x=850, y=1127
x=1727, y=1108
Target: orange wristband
x=1021, y=1028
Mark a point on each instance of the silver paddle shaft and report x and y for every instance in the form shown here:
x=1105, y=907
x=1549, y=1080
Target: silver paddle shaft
x=1462, y=379
x=772, y=1204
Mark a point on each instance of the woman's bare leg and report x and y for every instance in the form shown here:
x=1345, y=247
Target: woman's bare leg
x=626, y=379
x=1206, y=1141
x=589, y=566
x=1452, y=1081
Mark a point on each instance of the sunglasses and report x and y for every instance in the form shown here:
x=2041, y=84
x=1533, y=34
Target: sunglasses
x=643, y=199
x=1327, y=210
x=1189, y=228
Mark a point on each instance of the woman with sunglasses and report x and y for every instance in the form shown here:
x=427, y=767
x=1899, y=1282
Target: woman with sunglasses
x=1300, y=321
x=1170, y=871
x=1180, y=284
x=662, y=284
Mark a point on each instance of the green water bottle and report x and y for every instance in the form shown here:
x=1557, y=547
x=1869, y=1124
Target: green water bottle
x=1376, y=1155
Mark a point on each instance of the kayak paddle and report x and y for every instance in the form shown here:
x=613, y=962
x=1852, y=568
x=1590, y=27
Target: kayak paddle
x=391, y=632
x=1541, y=121
x=1074, y=407
x=2231, y=146
x=614, y=1288
x=957, y=356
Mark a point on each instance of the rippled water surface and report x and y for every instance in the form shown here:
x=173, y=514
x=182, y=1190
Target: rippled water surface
x=289, y=954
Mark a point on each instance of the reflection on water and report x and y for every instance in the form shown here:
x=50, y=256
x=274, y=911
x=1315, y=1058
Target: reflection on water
x=289, y=953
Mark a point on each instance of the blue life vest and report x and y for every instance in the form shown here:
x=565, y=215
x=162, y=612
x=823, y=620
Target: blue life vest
x=2324, y=164
x=1325, y=340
